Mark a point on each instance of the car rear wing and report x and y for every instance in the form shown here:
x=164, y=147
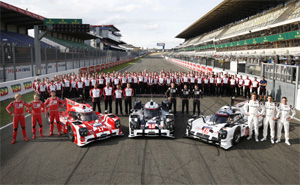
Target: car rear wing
x=69, y=104
x=238, y=102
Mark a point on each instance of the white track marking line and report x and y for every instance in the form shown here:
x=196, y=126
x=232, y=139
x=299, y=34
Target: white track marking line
x=12, y=122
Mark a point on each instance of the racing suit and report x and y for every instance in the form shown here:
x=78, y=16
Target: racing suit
x=283, y=112
x=254, y=110
x=37, y=109
x=269, y=112
x=18, y=117
x=54, y=112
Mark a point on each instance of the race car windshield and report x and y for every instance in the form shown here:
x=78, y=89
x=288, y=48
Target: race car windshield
x=91, y=116
x=219, y=119
x=150, y=113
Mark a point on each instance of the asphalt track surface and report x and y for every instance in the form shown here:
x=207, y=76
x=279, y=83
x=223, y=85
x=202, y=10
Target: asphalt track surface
x=122, y=160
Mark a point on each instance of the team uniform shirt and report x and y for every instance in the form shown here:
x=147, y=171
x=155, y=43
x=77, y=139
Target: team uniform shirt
x=58, y=86
x=241, y=82
x=101, y=81
x=37, y=107
x=219, y=80
x=205, y=81
x=67, y=83
x=18, y=107
x=225, y=81
x=232, y=81
x=128, y=92
x=95, y=93
x=129, y=79
x=42, y=88
x=51, y=88
x=247, y=82
x=255, y=84
x=87, y=82
x=93, y=82
x=118, y=93
x=141, y=78
x=283, y=112
x=116, y=81
x=107, y=79
x=79, y=85
x=211, y=80
x=270, y=109
x=107, y=91
x=161, y=81
x=53, y=104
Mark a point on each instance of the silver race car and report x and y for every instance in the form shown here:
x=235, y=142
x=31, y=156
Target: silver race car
x=151, y=119
x=225, y=128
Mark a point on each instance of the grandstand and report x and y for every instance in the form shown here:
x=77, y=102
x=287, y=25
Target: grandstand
x=109, y=38
x=250, y=38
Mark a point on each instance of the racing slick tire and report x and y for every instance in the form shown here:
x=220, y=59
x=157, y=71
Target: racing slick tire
x=236, y=136
x=70, y=133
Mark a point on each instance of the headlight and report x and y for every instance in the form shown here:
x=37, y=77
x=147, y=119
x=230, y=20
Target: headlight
x=190, y=121
x=222, y=134
x=83, y=131
x=117, y=124
x=133, y=124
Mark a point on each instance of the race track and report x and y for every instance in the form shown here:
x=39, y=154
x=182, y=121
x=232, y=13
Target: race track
x=122, y=160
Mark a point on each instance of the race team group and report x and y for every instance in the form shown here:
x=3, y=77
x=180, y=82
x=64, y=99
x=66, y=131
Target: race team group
x=117, y=86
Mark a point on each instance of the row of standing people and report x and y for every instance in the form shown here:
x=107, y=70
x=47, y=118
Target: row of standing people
x=218, y=84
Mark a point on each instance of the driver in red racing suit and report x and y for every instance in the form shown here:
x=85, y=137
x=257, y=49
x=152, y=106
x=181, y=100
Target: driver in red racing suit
x=37, y=107
x=53, y=102
x=18, y=115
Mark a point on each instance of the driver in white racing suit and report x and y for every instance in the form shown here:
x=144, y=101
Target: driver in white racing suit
x=255, y=111
x=269, y=112
x=284, y=117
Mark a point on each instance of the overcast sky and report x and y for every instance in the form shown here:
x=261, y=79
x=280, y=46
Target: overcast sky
x=142, y=23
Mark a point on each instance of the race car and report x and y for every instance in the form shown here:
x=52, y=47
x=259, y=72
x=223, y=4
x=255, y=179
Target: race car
x=151, y=119
x=83, y=125
x=225, y=128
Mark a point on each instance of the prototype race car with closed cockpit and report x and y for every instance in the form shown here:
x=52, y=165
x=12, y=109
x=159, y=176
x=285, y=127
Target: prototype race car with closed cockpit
x=83, y=125
x=151, y=119
x=225, y=128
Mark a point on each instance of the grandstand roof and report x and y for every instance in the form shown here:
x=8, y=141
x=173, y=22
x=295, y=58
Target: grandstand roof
x=228, y=11
x=106, y=26
x=13, y=15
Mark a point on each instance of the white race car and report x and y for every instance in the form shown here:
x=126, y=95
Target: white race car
x=225, y=128
x=151, y=119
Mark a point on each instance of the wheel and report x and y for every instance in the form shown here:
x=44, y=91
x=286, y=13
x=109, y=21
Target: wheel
x=70, y=133
x=236, y=136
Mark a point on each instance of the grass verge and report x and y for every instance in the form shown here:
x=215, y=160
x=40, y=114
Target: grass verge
x=6, y=118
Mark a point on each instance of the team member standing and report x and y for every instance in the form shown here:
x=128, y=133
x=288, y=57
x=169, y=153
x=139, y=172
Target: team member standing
x=283, y=114
x=247, y=84
x=54, y=109
x=197, y=95
x=87, y=84
x=254, y=85
x=37, y=107
x=206, y=85
x=118, y=94
x=42, y=89
x=219, y=85
x=80, y=87
x=225, y=85
x=51, y=87
x=96, y=93
x=73, y=89
x=262, y=88
x=59, y=88
x=18, y=116
x=172, y=94
x=255, y=110
x=240, y=90
x=185, y=96
x=107, y=92
x=67, y=85
x=232, y=82
x=212, y=86
x=270, y=117
x=128, y=93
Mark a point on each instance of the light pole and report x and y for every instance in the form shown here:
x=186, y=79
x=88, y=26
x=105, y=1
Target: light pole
x=3, y=58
